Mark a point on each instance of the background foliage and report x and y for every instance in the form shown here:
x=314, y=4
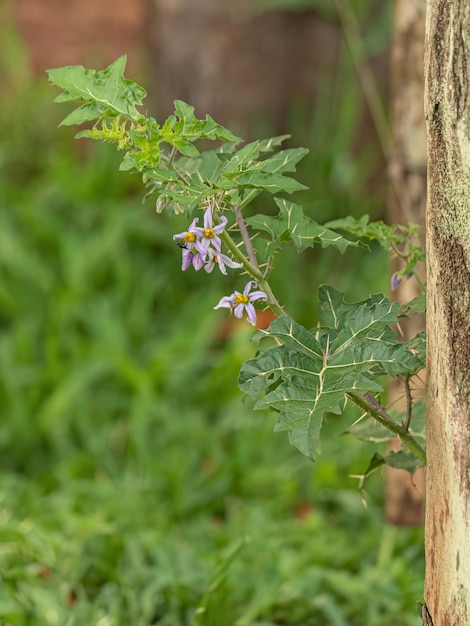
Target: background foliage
x=136, y=483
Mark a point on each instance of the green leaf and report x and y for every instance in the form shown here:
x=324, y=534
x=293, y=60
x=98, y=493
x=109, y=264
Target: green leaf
x=264, y=181
x=368, y=429
x=386, y=235
x=182, y=129
x=414, y=307
x=292, y=224
x=417, y=345
x=403, y=460
x=106, y=93
x=310, y=373
x=398, y=460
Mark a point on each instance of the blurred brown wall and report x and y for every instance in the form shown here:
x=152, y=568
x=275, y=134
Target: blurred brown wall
x=221, y=57
x=80, y=32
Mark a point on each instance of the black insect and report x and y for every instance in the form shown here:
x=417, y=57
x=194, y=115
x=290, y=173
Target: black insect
x=181, y=244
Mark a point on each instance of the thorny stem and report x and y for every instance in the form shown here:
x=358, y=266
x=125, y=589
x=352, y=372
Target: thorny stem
x=409, y=404
x=370, y=405
x=245, y=236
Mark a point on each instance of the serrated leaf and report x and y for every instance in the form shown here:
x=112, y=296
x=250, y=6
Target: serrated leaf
x=268, y=145
x=182, y=129
x=241, y=158
x=106, y=92
x=283, y=161
x=403, y=460
x=263, y=181
x=417, y=345
x=310, y=373
x=413, y=307
x=212, y=130
x=291, y=223
x=386, y=235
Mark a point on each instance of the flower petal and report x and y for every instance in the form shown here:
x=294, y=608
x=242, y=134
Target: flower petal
x=248, y=286
x=257, y=295
x=198, y=262
x=220, y=227
x=250, y=313
x=238, y=310
x=208, y=218
x=230, y=262
x=225, y=303
x=187, y=259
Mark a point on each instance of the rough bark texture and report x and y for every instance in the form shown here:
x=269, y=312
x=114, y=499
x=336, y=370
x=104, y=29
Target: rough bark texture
x=447, y=590
x=407, y=201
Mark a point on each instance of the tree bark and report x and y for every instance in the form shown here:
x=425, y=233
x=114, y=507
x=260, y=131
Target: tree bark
x=447, y=74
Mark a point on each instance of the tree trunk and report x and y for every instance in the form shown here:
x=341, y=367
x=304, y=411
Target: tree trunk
x=407, y=201
x=447, y=54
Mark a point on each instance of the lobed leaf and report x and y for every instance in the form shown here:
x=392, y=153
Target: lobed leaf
x=291, y=224
x=105, y=93
x=309, y=373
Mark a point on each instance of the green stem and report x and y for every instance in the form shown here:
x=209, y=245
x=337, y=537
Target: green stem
x=379, y=414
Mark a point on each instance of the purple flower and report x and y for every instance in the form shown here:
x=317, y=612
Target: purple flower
x=243, y=302
x=191, y=257
x=395, y=281
x=221, y=260
x=208, y=236
x=189, y=236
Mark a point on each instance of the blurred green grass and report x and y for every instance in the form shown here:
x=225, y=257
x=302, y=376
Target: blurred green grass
x=136, y=482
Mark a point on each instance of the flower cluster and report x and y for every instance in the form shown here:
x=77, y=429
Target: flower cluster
x=201, y=248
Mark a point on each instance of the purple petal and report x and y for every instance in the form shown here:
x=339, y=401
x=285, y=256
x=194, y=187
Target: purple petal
x=216, y=243
x=230, y=262
x=238, y=310
x=198, y=262
x=221, y=265
x=202, y=246
x=224, y=303
x=208, y=218
x=221, y=227
x=248, y=286
x=250, y=313
x=257, y=295
x=395, y=282
x=187, y=259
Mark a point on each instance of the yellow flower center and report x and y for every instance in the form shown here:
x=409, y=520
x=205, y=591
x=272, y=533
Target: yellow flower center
x=240, y=298
x=209, y=233
x=189, y=237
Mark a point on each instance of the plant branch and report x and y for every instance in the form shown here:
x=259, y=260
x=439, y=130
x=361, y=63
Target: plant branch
x=245, y=236
x=409, y=404
x=370, y=405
